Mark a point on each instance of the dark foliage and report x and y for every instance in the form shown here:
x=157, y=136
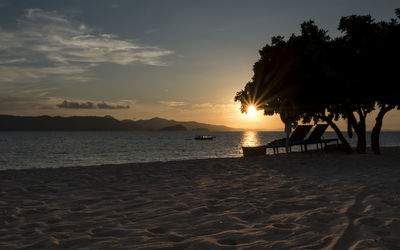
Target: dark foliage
x=325, y=79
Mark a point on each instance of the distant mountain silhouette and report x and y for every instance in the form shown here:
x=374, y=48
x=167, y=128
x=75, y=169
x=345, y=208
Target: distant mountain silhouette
x=8, y=122
x=200, y=129
x=174, y=128
x=157, y=123
x=76, y=123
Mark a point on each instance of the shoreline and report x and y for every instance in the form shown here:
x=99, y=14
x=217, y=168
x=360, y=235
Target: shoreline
x=299, y=200
x=388, y=149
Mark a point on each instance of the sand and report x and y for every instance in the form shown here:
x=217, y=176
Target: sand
x=288, y=201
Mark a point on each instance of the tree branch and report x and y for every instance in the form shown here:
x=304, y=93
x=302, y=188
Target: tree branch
x=353, y=121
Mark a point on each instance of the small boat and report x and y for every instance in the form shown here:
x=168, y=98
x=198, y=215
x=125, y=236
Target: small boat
x=204, y=137
x=254, y=151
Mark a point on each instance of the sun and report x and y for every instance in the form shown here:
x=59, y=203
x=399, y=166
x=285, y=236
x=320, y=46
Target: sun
x=251, y=111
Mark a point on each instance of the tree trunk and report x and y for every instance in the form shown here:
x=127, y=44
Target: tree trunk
x=360, y=129
x=346, y=145
x=361, y=136
x=377, y=129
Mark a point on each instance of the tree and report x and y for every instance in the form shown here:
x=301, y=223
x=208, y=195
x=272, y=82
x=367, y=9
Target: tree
x=369, y=49
x=387, y=85
x=355, y=49
x=327, y=79
x=297, y=70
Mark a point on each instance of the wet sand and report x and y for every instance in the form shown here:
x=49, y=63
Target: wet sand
x=300, y=200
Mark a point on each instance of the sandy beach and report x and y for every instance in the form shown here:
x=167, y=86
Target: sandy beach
x=288, y=201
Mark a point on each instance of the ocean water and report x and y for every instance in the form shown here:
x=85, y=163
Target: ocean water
x=22, y=150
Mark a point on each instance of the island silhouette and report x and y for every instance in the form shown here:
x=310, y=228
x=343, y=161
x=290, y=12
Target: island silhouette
x=96, y=123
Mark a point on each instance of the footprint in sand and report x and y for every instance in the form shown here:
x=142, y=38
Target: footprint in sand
x=174, y=237
x=157, y=230
x=369, y=221
x=284, y=226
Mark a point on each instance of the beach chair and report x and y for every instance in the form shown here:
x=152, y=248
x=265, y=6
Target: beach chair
x=296, y=138
x=315, y=137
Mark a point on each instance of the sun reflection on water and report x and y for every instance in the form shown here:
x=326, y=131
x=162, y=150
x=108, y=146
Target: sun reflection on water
x=250, y=139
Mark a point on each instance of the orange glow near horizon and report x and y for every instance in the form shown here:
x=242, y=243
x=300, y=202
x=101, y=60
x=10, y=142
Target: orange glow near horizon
x=252, y=115
x=251, y=111
x=250, y=139
x=251, y=120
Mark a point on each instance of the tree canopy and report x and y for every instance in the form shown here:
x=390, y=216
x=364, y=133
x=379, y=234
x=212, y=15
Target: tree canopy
x=327, y=79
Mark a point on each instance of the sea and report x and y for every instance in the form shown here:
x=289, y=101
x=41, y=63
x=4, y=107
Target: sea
x=53, y=149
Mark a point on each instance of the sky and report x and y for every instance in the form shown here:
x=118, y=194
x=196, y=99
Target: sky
x=175, y=59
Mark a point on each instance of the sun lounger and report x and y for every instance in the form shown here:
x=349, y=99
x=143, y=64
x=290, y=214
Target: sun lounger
x=315, y=137
x=296, y=138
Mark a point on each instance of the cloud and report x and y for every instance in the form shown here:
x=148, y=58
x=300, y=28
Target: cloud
x=11, y=61
x=202, y=106
x=24, y=73
x=76, y=105
x=64, y=46
x=108, y=106
x=25, y=98
x=30, y=99
x=172, y=103
x=90, y=105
